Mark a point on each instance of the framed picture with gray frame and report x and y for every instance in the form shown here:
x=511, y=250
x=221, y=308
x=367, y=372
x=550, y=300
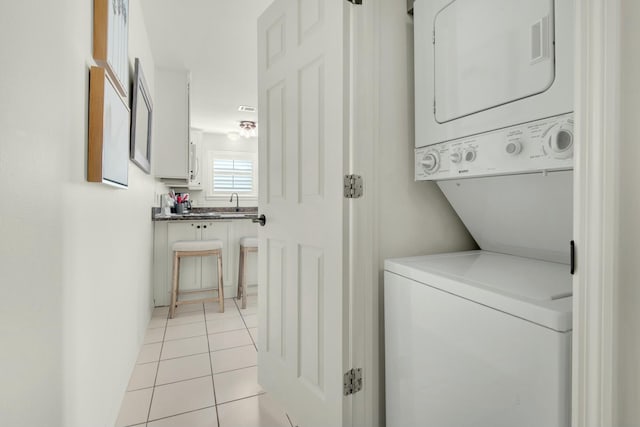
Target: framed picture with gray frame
x=141, y=119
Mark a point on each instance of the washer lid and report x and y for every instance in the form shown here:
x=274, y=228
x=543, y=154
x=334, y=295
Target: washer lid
x=538, y=291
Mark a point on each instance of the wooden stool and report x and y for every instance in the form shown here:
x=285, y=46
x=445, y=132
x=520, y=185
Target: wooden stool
x=202, y=248
x=247, y=244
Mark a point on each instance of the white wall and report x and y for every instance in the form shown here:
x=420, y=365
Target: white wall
x=220, y=142
x=75, y=256
x=628, y=315
x=405, y=217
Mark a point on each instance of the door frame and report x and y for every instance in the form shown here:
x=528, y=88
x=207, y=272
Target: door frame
x=596, y=184
x=367, y=351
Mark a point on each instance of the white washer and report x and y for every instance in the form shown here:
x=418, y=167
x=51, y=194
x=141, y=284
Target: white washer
x=477, y=339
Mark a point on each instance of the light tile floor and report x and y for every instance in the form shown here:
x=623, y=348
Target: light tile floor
x=199, y=370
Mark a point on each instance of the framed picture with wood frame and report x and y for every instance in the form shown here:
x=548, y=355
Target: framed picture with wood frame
x=111, y=40
x=109, y=118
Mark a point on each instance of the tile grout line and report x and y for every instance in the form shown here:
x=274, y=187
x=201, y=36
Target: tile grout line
x=181, y=413
x=164, y=340
x=196, y=336
x=182, y=381
x=256, y=348
x=155, y=379
x=245, y=325
x=180, y=357
x=262, y=393
x=213, y=382
x=237, y=369
x=230, y=348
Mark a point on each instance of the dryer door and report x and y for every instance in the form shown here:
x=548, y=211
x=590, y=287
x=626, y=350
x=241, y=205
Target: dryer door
x=491, y=52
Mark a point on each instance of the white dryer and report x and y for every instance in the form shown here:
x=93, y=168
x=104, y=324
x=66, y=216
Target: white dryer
x=482, y=65
x=477, y=339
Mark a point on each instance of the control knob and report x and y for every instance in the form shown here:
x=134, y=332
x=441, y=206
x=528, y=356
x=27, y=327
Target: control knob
x=470, y=155
x=430, y=162
x=560, y=142
x=455, y=157
x=513, y=148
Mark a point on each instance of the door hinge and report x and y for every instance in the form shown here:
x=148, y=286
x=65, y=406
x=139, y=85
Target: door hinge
x=352, y=381
x=433, y=37
x=352, y=186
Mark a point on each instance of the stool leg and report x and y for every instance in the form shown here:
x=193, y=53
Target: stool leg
x=240, y=271
x=174, y=284
x=245, y=253
x=220, y=283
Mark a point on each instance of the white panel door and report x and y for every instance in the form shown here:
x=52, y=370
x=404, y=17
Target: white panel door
x=303, y=293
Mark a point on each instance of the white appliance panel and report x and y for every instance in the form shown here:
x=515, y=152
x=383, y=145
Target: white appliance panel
x=529, y=215
x=451, y=362
x=489, y=53
x=546, y=144
x=479, y=67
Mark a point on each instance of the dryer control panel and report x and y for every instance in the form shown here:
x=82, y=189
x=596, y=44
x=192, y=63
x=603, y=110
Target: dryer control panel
x=542, y=145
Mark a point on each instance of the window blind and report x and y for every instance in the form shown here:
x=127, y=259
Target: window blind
x=232, y=175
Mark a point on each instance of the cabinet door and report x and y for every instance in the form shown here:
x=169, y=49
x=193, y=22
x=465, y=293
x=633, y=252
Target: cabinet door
x=189, y=266
x=171, y=124
x=209, y=271
x=160, y=282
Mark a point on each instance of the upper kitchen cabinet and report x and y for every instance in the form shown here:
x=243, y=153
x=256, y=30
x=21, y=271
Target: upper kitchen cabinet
x=172, y=117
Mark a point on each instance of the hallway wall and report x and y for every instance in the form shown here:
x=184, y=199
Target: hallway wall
x=75, y=256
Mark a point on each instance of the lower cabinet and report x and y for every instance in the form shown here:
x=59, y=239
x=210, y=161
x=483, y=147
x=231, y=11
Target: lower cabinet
x=200, y=272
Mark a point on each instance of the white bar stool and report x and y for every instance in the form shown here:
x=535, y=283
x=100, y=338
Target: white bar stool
x=247, y=245
x=202, y=248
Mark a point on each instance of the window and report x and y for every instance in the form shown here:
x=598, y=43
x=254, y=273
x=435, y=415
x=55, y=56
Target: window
x=232, y=172
x=230, y=175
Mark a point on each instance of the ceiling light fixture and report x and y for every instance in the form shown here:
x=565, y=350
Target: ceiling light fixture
x=233, y=136
x=248, y=129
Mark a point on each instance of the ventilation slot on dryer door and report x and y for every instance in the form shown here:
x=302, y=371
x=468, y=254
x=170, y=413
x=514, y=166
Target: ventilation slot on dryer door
x=540, y=38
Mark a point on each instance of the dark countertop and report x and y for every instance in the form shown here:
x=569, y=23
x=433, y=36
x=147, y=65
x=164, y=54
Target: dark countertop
x=207, y=214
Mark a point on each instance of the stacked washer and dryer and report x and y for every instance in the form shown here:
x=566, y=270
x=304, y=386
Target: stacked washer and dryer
x=483, y=338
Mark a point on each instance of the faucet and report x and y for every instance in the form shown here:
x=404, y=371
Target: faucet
x=237, y=201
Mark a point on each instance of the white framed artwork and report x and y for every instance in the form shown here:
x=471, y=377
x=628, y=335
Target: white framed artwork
x=109, y=132
x=111, y=40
